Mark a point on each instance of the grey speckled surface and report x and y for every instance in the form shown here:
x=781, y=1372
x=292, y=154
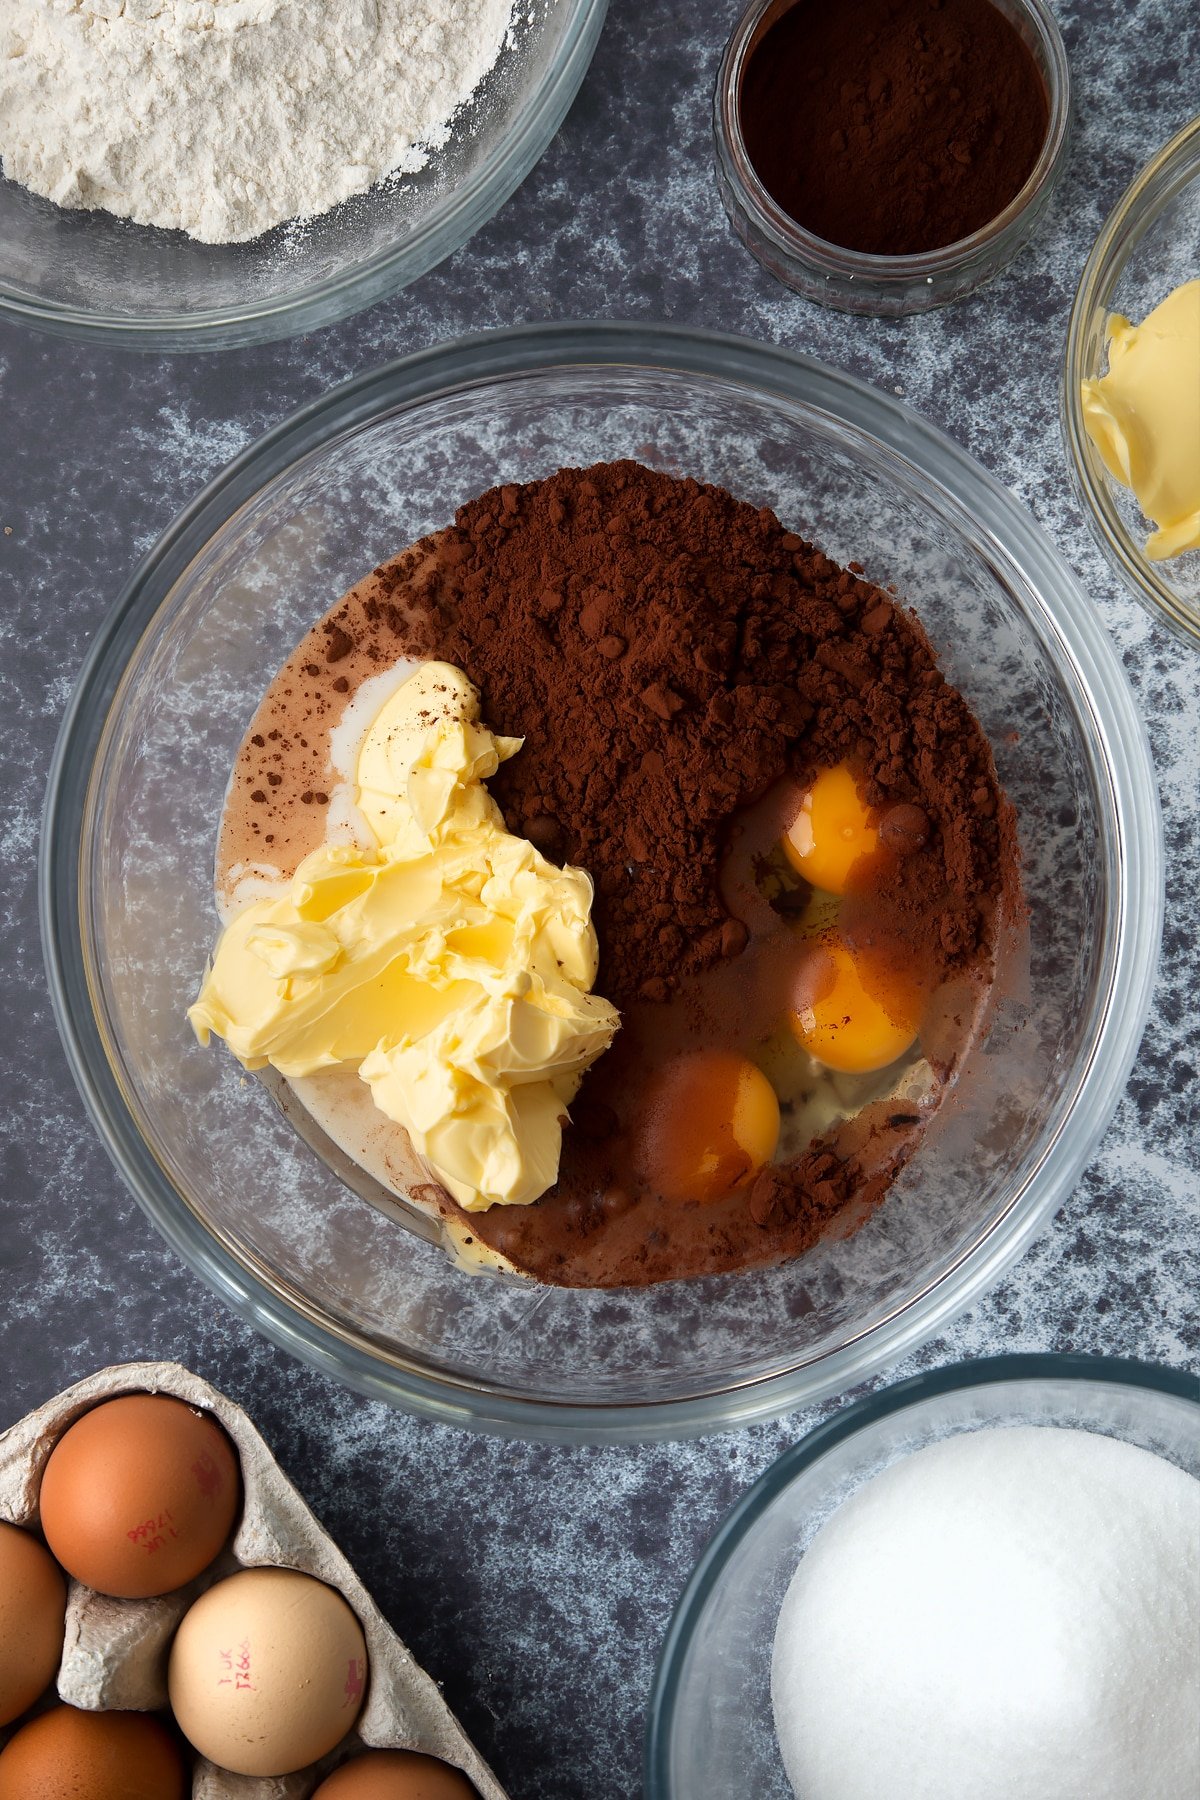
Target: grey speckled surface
x=535, y=1582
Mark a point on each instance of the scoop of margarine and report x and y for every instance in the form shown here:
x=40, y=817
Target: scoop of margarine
x=453, y=963
x=1144, y=417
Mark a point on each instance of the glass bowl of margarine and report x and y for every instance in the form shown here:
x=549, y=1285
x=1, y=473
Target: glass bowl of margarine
x=1147, y=251
x=332, y=1266
x=91, y=275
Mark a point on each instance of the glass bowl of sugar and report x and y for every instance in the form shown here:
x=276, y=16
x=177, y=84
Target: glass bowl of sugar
x=712, y=1724
x=83, y=272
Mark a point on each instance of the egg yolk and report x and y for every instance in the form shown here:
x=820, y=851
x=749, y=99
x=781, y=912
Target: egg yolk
x=850, y=1026
x=831, y=831
x=711, y=1121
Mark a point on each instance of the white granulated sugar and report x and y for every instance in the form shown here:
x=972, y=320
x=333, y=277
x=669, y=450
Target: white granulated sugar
x=1005, y=1615
x=225, y=117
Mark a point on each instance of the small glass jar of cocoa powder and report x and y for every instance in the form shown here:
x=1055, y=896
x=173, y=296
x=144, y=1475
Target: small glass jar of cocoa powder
x=800, y=113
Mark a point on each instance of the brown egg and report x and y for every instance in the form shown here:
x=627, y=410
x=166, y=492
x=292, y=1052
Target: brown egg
x=140, y=1495
x=93, y=1756
x=267, y=1672
x=33, y=1599
x=396, y=1775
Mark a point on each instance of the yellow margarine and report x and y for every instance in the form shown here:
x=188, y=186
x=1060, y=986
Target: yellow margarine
x=453, y=963
x=1144, y=417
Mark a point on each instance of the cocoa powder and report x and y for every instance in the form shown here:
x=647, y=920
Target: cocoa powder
x=668, y=653
x=893, y=126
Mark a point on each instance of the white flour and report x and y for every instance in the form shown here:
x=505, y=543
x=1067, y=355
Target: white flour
x=225, y=117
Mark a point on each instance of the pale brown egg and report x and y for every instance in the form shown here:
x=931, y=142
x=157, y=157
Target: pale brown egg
x=33, y=1600
x=268, y=1671
x=396, y=1775
x=93, y=1756
x=139, y=1495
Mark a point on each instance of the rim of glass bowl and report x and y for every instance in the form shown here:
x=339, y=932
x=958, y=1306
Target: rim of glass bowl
x=923, y=461
x=1176, y=164
x=859, y=280
x=987, y=1371
x=447, y=226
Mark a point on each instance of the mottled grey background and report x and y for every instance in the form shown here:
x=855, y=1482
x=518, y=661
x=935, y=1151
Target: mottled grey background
x=536, y=1583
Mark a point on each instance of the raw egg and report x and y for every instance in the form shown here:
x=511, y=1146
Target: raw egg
x=396, y=1775
x=33, y=1601
x=710, y=1122
x=848, y=1023
x=140, y=1495
x=65, y=1754
x=267, y=1672
x=831, y=832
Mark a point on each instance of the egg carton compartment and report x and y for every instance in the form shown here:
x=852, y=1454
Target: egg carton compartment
x=115, y=1651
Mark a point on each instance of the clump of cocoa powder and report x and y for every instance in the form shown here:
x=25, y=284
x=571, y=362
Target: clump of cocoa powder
x=668, y=653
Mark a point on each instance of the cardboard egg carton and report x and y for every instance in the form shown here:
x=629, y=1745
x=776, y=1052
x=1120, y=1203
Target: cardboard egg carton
x=115, y=1652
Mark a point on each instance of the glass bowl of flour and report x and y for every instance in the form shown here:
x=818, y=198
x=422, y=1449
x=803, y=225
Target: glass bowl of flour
x=711, y=1723
x=197, y=174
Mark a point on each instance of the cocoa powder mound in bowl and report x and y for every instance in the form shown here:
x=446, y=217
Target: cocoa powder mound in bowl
x=668, y=652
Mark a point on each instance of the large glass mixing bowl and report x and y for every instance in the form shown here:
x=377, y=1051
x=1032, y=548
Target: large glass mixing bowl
x=710, y=1727
x=91, y=275
x=139, y=777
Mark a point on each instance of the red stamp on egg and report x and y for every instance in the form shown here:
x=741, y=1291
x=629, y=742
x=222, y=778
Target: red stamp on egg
x=208, y=1476
x=236, y=1664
